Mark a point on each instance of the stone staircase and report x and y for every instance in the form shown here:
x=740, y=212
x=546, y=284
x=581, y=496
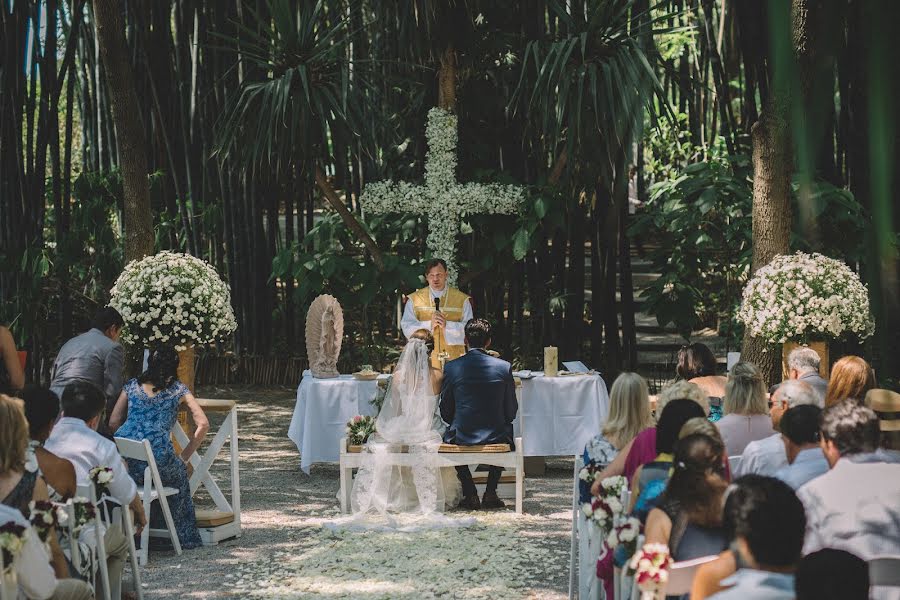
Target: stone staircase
x=657, y=347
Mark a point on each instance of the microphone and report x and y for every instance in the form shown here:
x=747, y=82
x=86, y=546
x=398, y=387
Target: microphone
x=437, y=305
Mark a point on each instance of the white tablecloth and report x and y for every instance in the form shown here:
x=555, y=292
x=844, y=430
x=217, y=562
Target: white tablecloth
x=558, y=415
x=320, y=416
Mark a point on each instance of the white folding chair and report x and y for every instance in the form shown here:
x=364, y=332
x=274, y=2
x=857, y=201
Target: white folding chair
x=734, y=463
x=98, y=547
x=884, y=571
x=573, y=546
x=122, y=514
x=153, y=490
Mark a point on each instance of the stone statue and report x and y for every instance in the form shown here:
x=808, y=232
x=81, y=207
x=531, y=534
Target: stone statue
x=324, y=331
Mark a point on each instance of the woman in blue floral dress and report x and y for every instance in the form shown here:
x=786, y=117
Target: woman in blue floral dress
x=151, y=404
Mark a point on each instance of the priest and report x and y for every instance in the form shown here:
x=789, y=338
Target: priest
x=441, y=309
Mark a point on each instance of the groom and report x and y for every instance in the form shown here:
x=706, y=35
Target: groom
x=478, y=401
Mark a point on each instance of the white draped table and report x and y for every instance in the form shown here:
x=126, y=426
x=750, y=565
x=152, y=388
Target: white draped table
x=557, y=415
x=320, y=416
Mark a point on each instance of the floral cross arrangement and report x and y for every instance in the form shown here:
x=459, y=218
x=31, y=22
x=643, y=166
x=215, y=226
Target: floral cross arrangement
x=101, y=477
x=171, y=298
x=45, y=517
x=359, y=428
x=12, y=538
x=650, y=567
x=803, y=297
x=442, y=198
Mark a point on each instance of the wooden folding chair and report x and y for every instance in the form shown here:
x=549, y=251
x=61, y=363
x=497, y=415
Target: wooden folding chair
x=153, y=490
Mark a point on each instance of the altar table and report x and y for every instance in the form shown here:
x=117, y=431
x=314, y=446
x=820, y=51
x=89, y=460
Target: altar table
x=557, y=415
x=321, y=413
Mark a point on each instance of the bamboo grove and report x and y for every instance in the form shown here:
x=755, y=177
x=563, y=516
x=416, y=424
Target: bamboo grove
x=262, y=120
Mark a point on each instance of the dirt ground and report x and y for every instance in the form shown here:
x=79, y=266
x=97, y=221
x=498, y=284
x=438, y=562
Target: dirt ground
x=285, y=553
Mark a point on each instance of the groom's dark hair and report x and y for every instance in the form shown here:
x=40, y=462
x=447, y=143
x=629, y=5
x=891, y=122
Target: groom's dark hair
x=478, y=332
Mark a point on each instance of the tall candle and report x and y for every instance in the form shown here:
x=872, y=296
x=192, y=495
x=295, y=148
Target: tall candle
x=551, y=368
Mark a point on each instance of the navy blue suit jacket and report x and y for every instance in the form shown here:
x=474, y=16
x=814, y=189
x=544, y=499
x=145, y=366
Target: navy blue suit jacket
x=478, y=400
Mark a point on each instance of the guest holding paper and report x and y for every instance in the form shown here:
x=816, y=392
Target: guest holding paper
x=151, y=402
x=442, y=310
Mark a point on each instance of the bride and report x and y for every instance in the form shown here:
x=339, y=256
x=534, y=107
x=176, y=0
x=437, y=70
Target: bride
x=410, y=417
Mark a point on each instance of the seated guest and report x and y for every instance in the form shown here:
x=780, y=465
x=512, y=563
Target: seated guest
x=800, y=431
x=767, y=521
x=851, y=377
x=34, y=576
x=766, y=456
x=20, y=481
x=746, y=409
x=803, y=365
x=831, y=574
x=697, y=364
x=705, y=427
x=854, y=506
x=12, y=376
x=629, y=414
x=650, y=479
x=75, y=438
x=42, y=410
x=151, y=402
x=478, y=402
x=642, y=449
x=94, y=357
x=688, y=518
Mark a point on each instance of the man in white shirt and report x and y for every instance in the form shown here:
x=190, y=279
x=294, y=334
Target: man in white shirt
x=442, y=310
x=856, y=505
x=75, y=438
x=800, y=431
x=766, y=456
x=32, y=564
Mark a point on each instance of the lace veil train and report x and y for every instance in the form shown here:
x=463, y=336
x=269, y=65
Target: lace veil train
x=386, y=495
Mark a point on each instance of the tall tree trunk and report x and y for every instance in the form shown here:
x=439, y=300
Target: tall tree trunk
x=771, y=212
x=138, y=218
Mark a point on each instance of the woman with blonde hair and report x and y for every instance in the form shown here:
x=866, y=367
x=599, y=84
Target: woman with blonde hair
x=851, y=377
x=746, y=409
x=629, y=414
x=20, y=483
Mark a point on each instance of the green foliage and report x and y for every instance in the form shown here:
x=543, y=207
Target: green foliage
x=700, y=224
x=668, y=148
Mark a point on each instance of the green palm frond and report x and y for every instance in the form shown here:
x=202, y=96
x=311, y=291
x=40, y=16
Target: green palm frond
x=588, y=88
x=302, y=90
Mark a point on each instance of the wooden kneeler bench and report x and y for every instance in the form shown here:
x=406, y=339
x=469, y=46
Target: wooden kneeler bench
x=449, y=455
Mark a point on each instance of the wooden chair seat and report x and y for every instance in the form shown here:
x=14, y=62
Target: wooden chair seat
x=213, y=518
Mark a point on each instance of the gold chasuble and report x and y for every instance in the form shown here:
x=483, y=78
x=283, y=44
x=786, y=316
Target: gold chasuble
x=452, y=307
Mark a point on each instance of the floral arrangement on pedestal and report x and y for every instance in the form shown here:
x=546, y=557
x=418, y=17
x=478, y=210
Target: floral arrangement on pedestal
x=442, y=198
x=172, y=298
x=359, y=428
x=650, y=567
x=802, y=297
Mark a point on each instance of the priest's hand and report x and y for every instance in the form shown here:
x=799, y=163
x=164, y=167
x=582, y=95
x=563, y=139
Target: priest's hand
x=438, y=320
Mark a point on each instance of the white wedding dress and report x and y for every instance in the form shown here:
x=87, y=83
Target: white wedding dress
x=386, y=495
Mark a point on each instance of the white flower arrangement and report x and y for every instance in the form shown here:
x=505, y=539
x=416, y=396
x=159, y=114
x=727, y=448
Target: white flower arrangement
x=650, y=566
x=172, y=298
x=798, y=297
x=625, y=532
x=605, y=510
x=442, y=198
x=12, y=539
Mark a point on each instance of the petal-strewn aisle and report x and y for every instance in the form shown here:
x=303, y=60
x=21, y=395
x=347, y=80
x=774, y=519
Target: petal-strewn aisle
x=285, y=553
